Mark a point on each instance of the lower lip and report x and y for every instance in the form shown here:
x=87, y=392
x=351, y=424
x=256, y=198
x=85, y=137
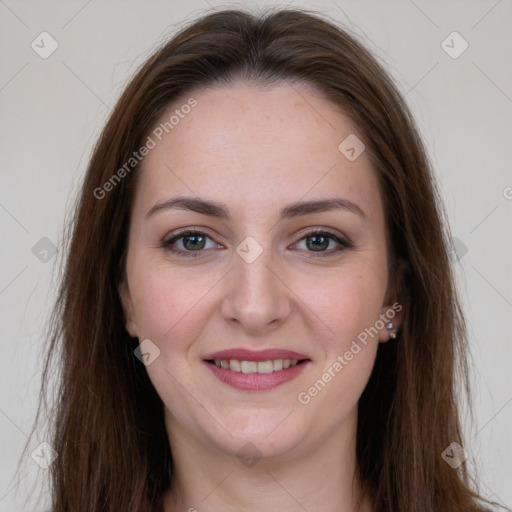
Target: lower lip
x=256, y=381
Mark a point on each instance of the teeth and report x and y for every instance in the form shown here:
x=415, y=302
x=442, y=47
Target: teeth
x=249, y=366
x=265, y=367
x=234, y=365
x=270, y=366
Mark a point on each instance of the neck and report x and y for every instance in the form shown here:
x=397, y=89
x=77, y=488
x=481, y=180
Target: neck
x=322, y=477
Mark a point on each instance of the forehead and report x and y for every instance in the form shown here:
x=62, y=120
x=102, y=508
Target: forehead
x=276, y=144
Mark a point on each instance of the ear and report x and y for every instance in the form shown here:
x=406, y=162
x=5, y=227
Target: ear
x=392, y=311
x=128, y=311
x=390, y=320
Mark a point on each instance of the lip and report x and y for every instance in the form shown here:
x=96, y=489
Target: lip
x=243, y=354
x=256, y=381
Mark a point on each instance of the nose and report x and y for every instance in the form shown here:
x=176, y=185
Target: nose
x=256, y=298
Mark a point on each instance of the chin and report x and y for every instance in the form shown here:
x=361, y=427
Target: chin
x=261, y=434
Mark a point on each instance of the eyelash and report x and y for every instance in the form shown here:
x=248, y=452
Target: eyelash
x=343, y=244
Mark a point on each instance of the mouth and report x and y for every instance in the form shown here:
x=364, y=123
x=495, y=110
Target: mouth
x=256, y=371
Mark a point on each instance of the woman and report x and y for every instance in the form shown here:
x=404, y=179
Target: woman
x=258, y=311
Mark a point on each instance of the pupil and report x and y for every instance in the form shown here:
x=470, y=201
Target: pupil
x=319, y=242
x=198, y=244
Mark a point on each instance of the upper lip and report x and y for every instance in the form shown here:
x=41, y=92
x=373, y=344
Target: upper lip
x=243, y=354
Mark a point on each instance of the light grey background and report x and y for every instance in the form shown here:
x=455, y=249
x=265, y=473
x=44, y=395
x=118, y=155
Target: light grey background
x=52, y=110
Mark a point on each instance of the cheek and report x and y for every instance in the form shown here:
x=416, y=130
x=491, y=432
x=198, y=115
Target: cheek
x=347, y=307
x=346, y=301
x=334, y=388
x=168, y=303
x=170, y=308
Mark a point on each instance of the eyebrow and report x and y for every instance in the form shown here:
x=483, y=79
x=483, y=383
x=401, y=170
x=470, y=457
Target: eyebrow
x=221, y=211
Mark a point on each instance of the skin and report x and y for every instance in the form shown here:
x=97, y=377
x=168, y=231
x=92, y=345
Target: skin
x=256, y=149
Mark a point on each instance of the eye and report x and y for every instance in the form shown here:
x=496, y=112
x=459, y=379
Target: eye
x=324, y=243
x=190, y=243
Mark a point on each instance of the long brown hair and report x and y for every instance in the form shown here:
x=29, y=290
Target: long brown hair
x=107, y=419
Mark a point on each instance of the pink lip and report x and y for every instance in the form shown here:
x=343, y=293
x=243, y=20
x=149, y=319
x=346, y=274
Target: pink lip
x=256, y=381
x=243, y=354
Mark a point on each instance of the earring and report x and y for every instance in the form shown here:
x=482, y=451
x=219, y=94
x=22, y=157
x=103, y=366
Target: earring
x=389, y=326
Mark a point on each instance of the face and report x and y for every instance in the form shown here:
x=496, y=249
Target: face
x=263, y=323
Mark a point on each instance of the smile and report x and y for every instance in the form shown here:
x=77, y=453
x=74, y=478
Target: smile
x=249, y=370
x=272, y=365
